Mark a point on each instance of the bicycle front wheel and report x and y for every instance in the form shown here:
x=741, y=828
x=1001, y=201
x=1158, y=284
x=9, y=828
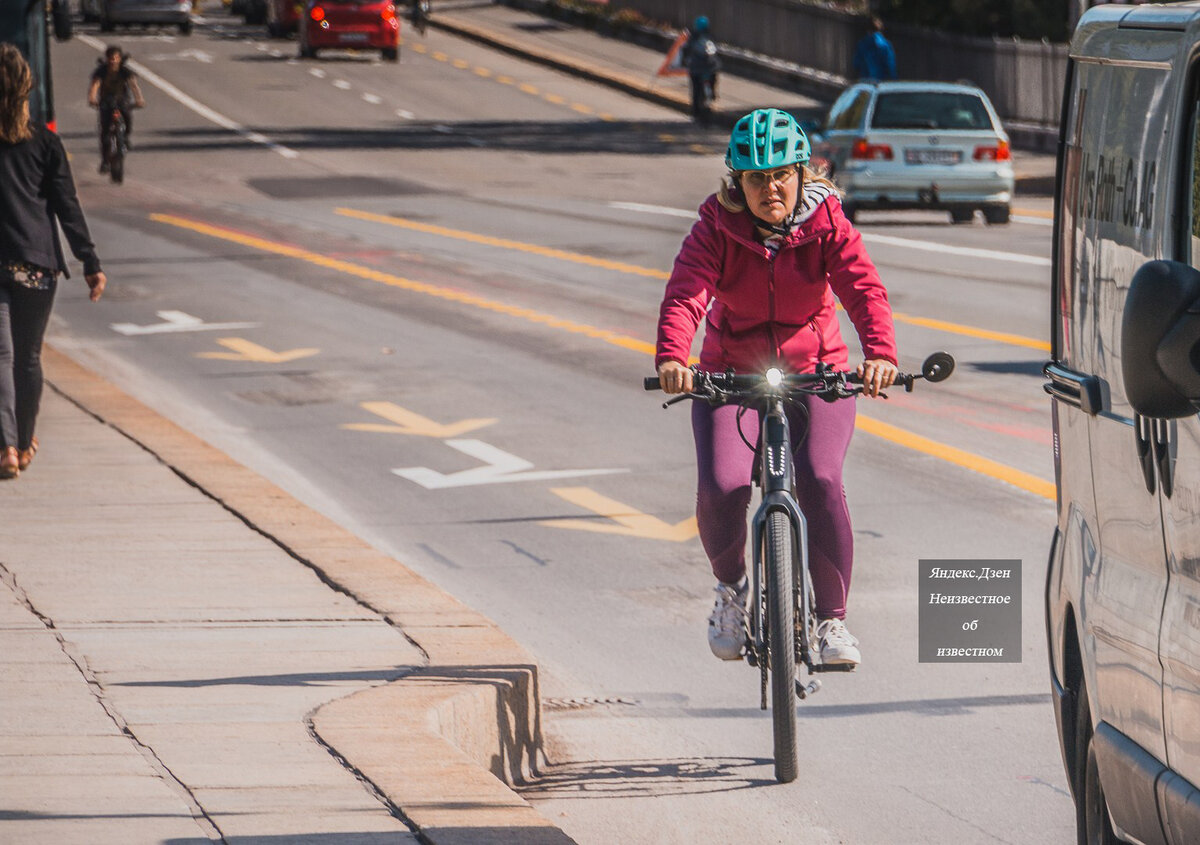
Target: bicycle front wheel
x=778, y=560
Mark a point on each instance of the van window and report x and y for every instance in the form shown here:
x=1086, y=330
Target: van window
x=851, y=116
x=1193, y=171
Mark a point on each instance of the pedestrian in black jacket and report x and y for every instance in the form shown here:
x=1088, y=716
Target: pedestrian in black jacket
x=37, y=194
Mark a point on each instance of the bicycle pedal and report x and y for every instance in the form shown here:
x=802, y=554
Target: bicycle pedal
x=804, y=690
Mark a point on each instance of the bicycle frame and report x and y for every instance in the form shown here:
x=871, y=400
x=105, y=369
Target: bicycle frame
x=776, y=480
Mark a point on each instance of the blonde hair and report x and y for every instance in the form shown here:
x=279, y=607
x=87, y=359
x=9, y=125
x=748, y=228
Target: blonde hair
x=730, y=193
x=16, y=81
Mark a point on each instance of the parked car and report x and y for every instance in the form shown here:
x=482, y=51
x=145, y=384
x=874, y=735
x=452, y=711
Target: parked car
x=353, y=24
x=902, y=145
x=1123, y=586
x=175, y=12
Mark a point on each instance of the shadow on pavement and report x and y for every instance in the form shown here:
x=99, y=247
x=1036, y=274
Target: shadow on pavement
x=646, y=778
x=569, y=137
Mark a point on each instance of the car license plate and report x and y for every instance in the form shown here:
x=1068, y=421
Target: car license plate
x=932, y=156
x=353, y=37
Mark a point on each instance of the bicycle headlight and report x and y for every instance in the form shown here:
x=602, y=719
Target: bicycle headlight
x=774, y=377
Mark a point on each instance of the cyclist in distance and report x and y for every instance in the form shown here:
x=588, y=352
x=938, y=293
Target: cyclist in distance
x=762, y=268
x=114, y=83
x=702, y=63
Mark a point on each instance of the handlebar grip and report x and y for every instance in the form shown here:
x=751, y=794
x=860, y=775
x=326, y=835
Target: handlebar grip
x=651, y=383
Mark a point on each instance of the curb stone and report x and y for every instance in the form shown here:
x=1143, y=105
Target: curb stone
x=444, y=744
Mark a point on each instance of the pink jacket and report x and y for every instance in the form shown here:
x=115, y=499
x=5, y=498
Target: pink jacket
x=763, y=309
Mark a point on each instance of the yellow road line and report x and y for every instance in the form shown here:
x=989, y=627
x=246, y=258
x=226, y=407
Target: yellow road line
x=528, y=89
x=622, y=267
x=942, y=451
x=503, y=243
x=970, y=331
x=449, y=294
x=1034, y=212
x=958, y=457
x=482, y=71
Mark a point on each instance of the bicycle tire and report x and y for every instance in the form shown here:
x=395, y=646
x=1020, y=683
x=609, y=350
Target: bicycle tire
x=778, y=561
x=116, y=168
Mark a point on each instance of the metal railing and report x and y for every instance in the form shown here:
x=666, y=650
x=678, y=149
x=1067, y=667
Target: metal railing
x=1024, y=79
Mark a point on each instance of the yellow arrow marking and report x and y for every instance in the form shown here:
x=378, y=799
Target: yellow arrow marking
x=406, y=422
x=627, y=521
x=245, y=350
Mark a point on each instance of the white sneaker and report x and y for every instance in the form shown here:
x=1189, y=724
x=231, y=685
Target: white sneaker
x=837, y=644
x=727, y=622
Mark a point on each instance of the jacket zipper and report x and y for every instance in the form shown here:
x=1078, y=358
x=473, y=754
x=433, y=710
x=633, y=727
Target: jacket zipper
x=771, y=305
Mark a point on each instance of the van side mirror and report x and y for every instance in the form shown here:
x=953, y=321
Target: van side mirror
x=1160, y=340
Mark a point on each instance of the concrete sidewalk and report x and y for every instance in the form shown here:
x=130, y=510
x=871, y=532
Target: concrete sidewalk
x=632, y=68
x=188, y=655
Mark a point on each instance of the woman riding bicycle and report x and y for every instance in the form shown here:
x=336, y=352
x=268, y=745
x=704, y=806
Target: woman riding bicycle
x=762, y=267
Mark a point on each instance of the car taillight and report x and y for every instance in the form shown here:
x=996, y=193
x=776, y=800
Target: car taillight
x=870, y=152
x=389, y=13
x=1000, y=152
x=317, y=13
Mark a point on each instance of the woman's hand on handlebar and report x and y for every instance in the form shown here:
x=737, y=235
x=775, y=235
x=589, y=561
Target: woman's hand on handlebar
x=876, y=374
x=674, y=377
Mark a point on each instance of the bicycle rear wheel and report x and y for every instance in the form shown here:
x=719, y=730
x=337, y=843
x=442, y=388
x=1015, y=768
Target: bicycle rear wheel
x=778, y=560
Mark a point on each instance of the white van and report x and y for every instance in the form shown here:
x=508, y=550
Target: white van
x=1123, y=587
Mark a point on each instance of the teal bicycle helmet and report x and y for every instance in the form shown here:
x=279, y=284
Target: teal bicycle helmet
x=766, y=139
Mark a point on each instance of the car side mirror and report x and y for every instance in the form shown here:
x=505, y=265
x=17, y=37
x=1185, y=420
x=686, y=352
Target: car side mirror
x=1160, y=340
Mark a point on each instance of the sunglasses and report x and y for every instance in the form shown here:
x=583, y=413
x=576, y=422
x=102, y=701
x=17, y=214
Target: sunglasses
x=759, y=179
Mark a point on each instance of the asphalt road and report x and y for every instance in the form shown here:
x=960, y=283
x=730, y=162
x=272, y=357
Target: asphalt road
x=422, y=297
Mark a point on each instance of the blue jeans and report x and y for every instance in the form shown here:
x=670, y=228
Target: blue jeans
x=24, y=314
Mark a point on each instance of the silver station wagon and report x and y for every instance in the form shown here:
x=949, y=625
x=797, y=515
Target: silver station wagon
x=904, y=145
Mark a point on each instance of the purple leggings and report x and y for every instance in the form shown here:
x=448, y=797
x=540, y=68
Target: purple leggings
x=724, y=465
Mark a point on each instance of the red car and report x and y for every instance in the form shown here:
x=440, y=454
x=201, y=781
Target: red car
x=350, y=24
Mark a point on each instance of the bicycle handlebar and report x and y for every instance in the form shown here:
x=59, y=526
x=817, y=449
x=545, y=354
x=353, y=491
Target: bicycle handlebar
x=829, y=383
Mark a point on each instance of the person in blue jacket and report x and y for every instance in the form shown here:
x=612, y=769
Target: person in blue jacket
x=874, y=57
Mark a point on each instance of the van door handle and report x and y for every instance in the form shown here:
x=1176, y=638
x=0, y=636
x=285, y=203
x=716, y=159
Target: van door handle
x=1143, y=430
x=1162, y=456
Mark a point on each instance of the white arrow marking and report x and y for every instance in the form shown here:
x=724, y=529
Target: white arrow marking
x=501, y=468
x=177, y=321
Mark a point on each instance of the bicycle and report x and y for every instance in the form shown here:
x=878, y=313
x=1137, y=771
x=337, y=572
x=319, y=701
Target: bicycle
x=113, y=144
x=782, y=619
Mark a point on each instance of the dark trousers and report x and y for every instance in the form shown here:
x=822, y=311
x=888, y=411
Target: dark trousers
x=106, y=121
x=24, y=314
x=703, y=93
